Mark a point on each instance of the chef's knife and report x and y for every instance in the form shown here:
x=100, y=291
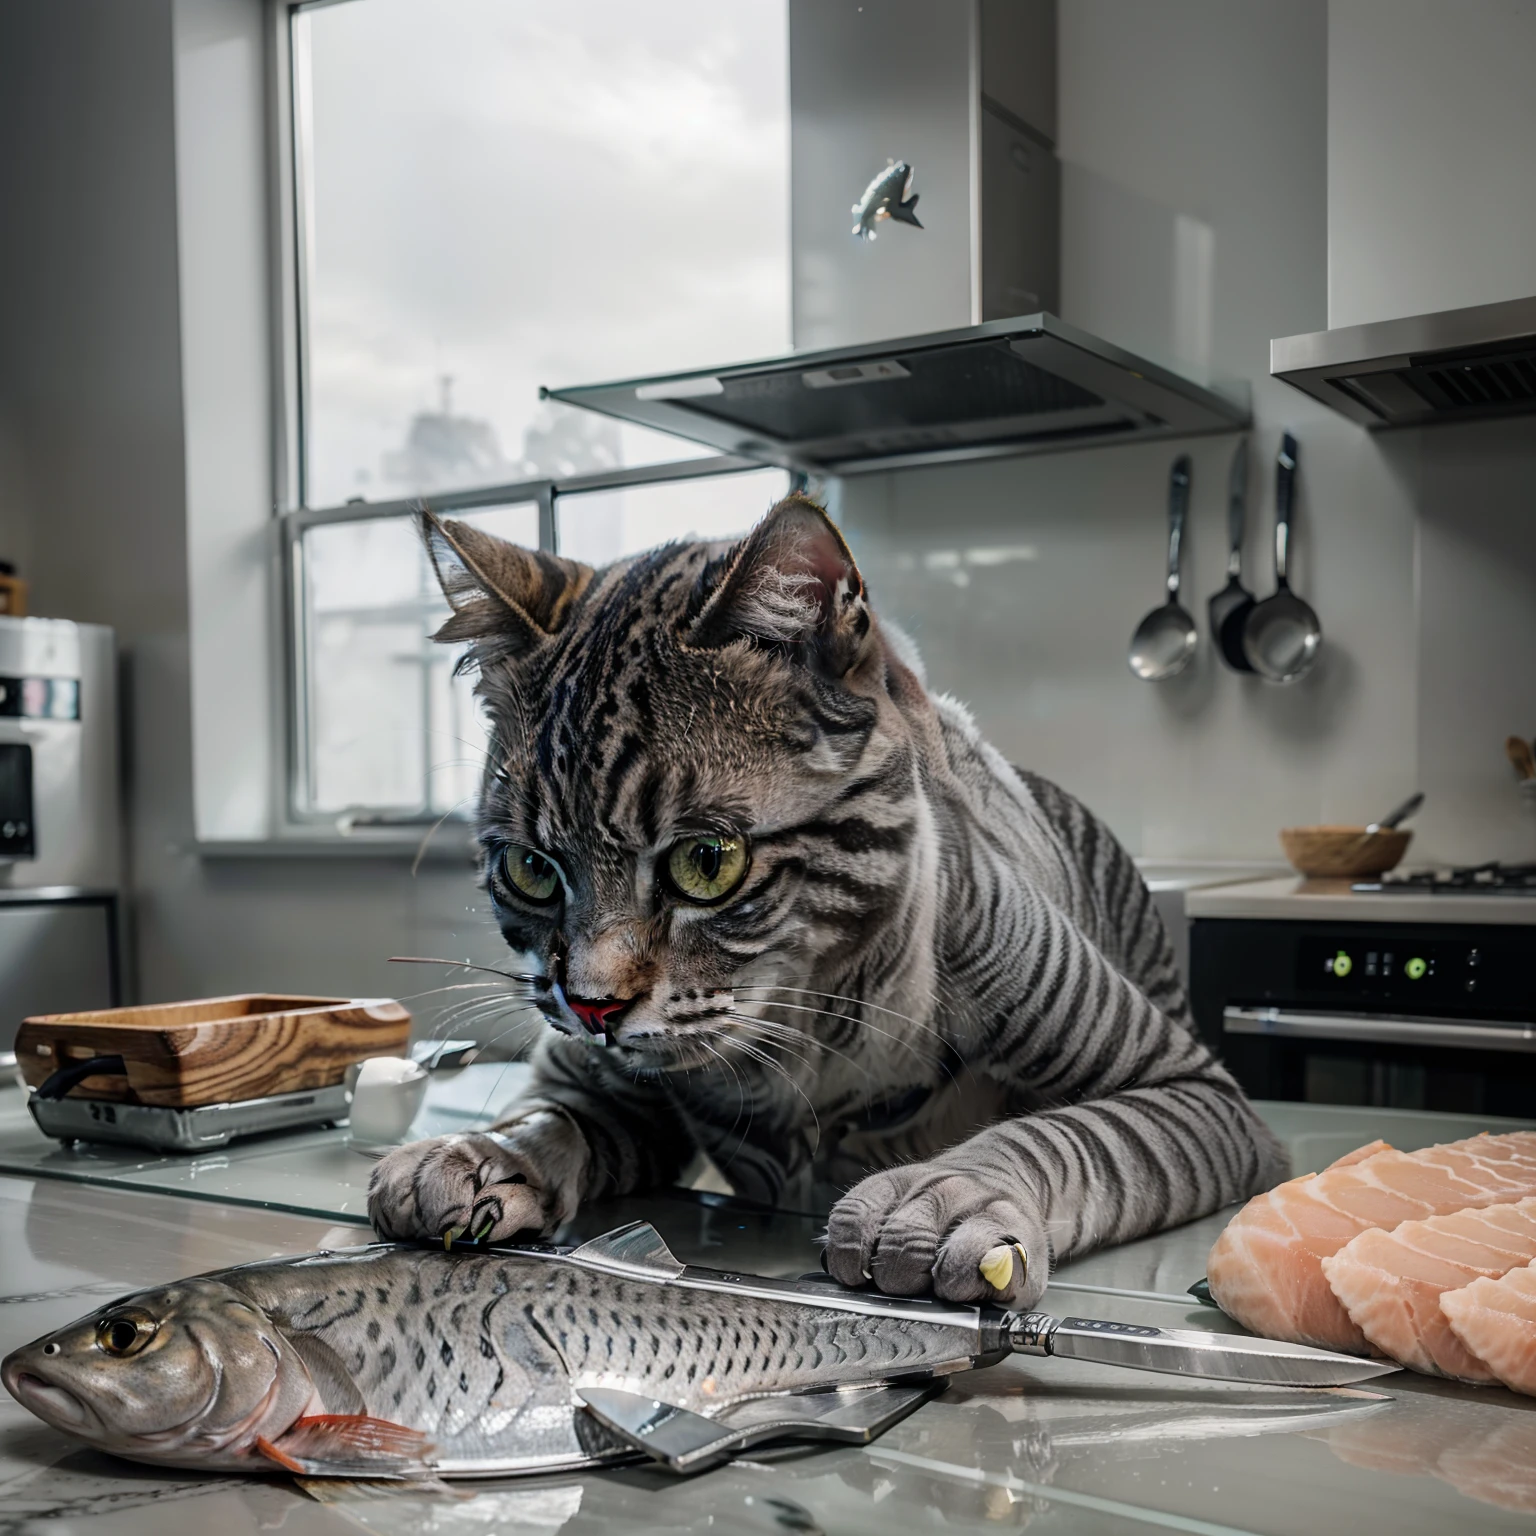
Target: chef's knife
x=1187, y=1352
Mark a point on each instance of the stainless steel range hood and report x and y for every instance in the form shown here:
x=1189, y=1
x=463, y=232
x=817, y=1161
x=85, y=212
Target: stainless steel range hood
x=1450, y=366
x=1031, y=383
x=966, y=94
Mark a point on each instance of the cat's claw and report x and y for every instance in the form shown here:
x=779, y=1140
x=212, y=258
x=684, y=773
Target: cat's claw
x=480, y=1187
x=923, y=1228
x=997, y=1265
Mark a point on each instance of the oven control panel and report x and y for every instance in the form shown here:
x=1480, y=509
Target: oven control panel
x=1408, y=1015
x=1416, y=973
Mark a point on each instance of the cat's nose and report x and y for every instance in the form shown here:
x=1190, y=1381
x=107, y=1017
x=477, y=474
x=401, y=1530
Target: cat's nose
x=598, y=1013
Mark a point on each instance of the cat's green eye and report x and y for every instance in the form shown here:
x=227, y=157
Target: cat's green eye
x=707, y=868
x=530, y=874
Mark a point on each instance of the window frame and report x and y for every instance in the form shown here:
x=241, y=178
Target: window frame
x=544, y=493
x=291, y=186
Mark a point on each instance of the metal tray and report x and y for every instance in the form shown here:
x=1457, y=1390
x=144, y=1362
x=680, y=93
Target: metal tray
x=186, y=1130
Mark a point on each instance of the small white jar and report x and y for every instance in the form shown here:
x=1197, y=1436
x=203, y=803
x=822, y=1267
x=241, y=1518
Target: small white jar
x=387, y=1095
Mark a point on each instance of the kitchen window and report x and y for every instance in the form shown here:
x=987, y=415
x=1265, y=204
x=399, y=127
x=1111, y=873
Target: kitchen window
x=489, y=196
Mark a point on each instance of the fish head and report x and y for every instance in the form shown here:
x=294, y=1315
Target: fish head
x=187, y=1374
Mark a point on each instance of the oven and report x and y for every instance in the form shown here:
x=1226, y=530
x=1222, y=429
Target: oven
x=1402, y=1014
x=59, y=821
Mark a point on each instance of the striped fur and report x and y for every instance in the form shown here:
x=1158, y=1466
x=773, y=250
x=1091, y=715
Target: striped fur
x=936, y=966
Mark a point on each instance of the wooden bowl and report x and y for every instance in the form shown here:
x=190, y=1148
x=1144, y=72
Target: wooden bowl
x=1344, y=853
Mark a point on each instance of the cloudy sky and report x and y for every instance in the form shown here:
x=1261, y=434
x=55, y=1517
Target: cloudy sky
x=526, y=192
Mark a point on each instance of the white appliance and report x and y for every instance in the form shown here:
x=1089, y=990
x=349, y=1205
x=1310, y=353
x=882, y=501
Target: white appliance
x=60, y=820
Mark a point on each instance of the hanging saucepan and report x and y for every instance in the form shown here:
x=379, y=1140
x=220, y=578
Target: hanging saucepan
x=1283, y=636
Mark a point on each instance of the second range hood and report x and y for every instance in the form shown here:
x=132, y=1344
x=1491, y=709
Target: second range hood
x=1449, y=366
x=1007, y=386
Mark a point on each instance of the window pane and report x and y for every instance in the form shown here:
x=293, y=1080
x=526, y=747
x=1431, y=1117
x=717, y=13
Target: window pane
x=602, y=526
x=389, y=727
x=508, y=193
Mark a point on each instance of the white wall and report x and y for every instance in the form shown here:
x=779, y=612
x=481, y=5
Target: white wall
x=94, y=495
x=1431, y=206
x=1217, y=113
x=1432, y=156
x=1417, y=549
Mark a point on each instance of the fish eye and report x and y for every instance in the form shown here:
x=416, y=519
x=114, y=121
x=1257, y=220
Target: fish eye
x=51, y=1347
x=706, y=868
x=125, y=1333
x=528, y=874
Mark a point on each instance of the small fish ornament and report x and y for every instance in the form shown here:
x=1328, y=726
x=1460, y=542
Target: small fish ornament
x=888, y=196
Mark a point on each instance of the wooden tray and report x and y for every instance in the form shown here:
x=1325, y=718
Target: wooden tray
x=214, y=1050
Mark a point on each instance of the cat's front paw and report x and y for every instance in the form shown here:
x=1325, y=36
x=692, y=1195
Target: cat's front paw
x=481, y=1186
x=921, y=1228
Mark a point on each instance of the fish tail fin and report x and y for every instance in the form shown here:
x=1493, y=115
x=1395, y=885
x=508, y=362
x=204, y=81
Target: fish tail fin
x=904, y=212
x=349, y=1445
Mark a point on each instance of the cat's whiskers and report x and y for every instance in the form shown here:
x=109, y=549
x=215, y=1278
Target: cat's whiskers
x=757, y=1054
x=469, y=965
x=827, y=1013
x=785, y=1036
x=742, y=1104
x=835, y=997
x=475, y=1011
x=529, y=1025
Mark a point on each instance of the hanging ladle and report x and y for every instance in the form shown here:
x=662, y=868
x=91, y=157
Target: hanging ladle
x=1165, y=640
x=1283, y=636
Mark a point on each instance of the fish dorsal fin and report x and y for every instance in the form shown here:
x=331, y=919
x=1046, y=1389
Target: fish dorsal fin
x=637, y=1249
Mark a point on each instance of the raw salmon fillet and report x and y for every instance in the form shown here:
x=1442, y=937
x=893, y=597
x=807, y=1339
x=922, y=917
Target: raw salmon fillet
x=1391, y=1282
x=1266, y=1269
x=1496, y=1321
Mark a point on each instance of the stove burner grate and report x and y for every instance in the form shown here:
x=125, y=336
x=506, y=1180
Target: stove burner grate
x=1491, y=879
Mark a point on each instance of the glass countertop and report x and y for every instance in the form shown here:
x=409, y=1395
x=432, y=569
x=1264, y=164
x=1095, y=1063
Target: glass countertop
x=1053, y=1445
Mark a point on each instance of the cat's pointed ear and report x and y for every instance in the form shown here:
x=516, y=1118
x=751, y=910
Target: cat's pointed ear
x=791, y=581
x=505, y=598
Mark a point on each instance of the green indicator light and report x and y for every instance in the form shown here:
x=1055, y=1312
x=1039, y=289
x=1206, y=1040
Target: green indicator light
x=1415, y=968
x=1342, y=964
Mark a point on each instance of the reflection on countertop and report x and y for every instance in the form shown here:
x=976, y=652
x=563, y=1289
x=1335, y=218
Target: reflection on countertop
x=1053, y=1445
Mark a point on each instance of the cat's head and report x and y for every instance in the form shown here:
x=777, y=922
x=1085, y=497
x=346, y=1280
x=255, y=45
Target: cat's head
x=701, y=778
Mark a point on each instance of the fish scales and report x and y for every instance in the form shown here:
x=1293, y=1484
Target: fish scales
x=537, y=1328
x=484, y=1353
x=401, y=1362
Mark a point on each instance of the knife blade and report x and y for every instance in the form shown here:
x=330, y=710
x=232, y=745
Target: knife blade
x=1188, y=1352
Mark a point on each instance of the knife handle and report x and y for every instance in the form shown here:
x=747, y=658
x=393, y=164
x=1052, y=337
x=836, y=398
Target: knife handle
x=1029, y=1333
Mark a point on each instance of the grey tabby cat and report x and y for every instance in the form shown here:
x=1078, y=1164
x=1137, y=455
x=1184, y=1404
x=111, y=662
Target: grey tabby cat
x=782, y=905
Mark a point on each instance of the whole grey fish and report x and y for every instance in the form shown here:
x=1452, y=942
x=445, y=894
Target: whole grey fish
x=886, y=197
x=408, y=1362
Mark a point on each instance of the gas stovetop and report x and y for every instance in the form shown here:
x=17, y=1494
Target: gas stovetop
x=1493, y=879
